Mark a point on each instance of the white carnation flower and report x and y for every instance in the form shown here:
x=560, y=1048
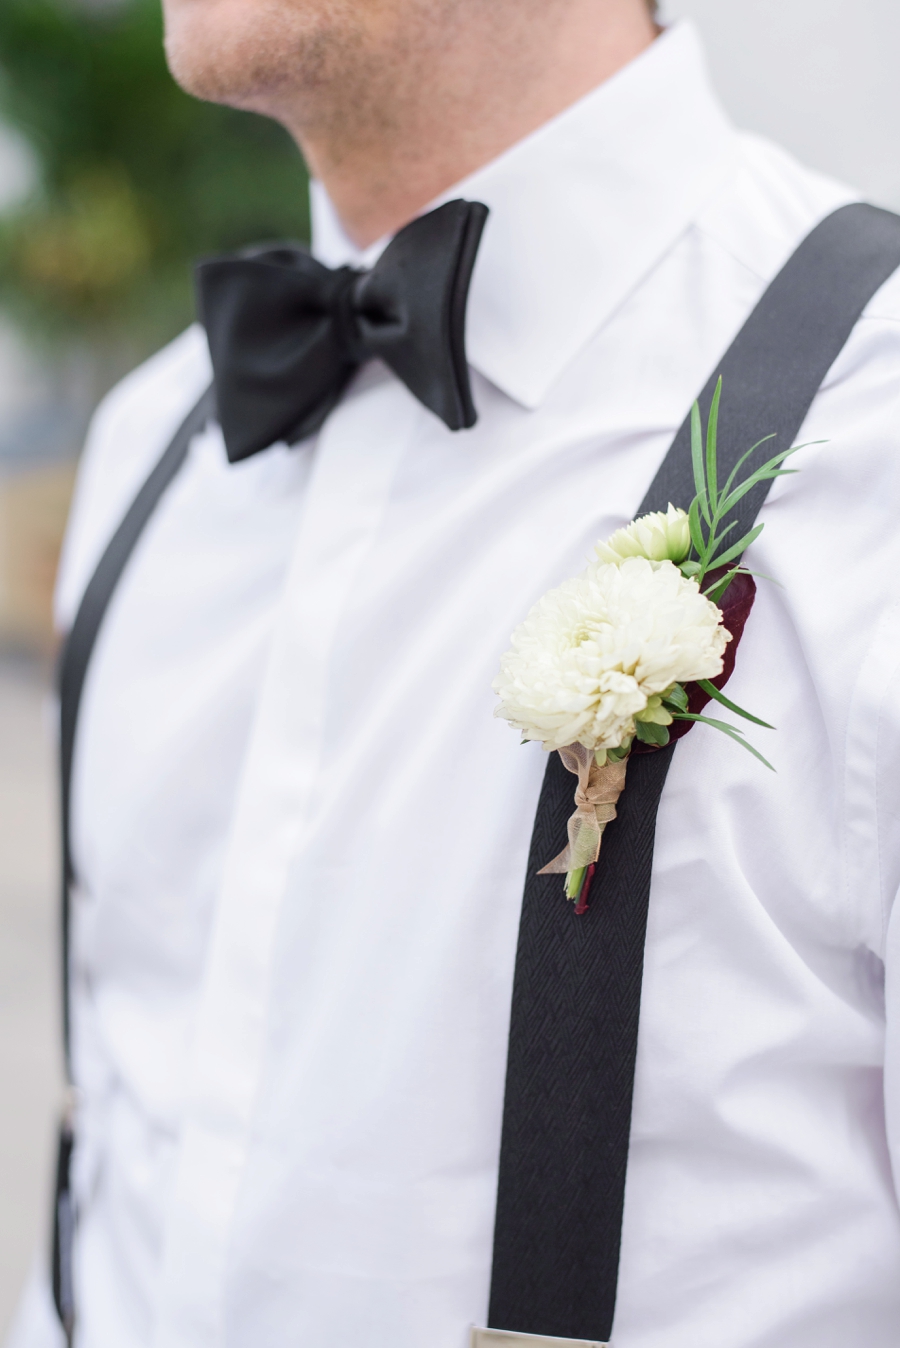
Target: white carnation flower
x=664, y=536
x=592, y=653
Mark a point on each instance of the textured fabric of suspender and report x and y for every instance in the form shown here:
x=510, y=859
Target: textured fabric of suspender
x=576, y=998
x=577, y=991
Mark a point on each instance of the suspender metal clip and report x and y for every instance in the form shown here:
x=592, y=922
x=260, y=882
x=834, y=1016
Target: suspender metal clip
x=501, y=1338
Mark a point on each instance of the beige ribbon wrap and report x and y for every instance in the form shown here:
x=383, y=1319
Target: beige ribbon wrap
x=597, y=795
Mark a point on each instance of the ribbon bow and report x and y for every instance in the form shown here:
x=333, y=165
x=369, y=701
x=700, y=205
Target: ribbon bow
x=596, y=798
x=286, y=333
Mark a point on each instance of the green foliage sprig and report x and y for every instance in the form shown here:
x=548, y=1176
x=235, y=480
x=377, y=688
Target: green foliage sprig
x=710, y=507
x=711, y=552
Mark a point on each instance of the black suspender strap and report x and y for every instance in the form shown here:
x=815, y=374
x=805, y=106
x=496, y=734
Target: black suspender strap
x=73, y=666
x=95, y=601
x=577, y=990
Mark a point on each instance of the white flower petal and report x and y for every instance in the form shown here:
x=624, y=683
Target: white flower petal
x=592, y=652
x=661, y=536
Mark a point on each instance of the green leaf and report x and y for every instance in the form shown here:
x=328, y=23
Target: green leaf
x=676, y=699
x=771, y=465
x=732, y=706
x=760, y=575
x=696, y=528
x=616, y=755
x=724, y=558
x=649, y=733
x=767, y=472
x=716, y=593
x=697, y=461
x=729, y=730
x=710, y=562
x=740, y=492
x=740, y=463
x=712, y=430
x=725, y=532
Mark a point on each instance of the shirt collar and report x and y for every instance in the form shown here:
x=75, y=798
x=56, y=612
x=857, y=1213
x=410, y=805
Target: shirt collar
x=581, y=211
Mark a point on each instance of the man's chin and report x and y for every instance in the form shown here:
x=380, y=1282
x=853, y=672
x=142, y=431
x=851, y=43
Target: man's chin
x=228, y=51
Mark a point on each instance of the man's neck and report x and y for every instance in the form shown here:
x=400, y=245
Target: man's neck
x=425, y=124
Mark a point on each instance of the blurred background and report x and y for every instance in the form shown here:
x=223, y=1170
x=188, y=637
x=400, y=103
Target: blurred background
x=111, y=182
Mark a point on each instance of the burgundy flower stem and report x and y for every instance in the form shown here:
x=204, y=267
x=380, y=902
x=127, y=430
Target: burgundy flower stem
x=582, y=905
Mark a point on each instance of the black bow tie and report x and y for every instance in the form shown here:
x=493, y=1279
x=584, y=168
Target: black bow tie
x=285, y=333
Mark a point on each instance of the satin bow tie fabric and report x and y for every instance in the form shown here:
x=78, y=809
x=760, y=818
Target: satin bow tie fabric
x=286, y=333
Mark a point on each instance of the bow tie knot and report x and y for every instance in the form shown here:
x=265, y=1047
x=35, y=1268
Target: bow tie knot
x=350, y=315
x=287, y=333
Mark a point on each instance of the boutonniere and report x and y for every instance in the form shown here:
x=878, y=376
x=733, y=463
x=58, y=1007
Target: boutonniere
x=624, y=658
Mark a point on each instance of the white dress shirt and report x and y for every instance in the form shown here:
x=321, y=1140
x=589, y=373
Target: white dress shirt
x=302, y=836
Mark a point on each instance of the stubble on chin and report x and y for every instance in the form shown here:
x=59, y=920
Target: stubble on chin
x=259, y=54
x=342, y=71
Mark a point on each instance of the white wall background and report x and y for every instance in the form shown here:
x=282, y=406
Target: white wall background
x=820, y=76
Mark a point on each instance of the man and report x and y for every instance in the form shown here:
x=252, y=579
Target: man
x=301, y=839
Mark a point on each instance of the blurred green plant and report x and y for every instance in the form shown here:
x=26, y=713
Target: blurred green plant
x=136, y=178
